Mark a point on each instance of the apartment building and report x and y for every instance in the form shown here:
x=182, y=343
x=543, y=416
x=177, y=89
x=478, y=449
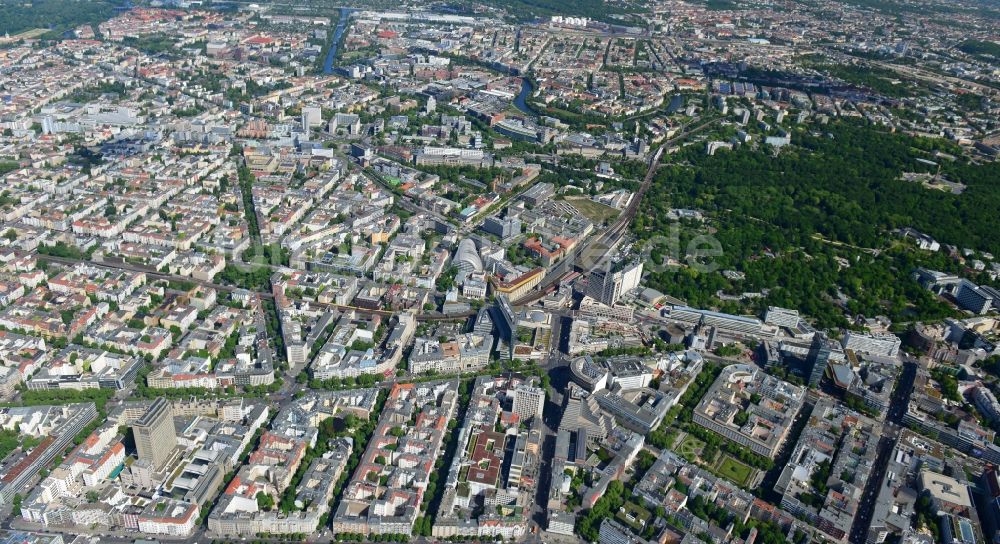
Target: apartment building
x=751, y=408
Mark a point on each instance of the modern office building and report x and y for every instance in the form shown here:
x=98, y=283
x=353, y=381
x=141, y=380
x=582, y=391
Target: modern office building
x=978, y=299
x=311, y=117
x=538, y=194
x=560, y=522
x=484, y=322
x=505, y=228
x=155, y=436
x=628, y=373
x=528, y=401
x=584, y=416
x=590, y=307
x=607, y=286
x=885, y=344
x=452, y=156
x=781, y=317
x=640, y=410
x=947, y=493
x=504, y=318
x=820, y=352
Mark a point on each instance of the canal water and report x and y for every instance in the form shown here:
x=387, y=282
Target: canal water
x=521, y=101
x=345, y=15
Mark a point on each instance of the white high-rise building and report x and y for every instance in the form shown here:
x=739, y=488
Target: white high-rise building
x=311, y=117
x=528, y=401
x=607, y=286
x=884, y=344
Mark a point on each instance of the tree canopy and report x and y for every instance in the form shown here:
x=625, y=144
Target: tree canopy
x=812, y=224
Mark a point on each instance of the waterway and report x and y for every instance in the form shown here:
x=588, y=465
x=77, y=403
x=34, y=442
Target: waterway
x=521, y=101
x=338, y=32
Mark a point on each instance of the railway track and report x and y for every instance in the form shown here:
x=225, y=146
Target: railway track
x=610, y=238
x=602, y=244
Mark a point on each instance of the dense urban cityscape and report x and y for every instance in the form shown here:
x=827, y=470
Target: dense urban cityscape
x=541, y=271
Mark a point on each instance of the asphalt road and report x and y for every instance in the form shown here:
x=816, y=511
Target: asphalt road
x=897, y=408
x=555, y=364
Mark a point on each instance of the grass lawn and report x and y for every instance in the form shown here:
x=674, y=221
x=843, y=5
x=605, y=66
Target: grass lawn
x=595, y=211
x=690, y=447
x=350, y=56
x=26, y=35
x=733, y=469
